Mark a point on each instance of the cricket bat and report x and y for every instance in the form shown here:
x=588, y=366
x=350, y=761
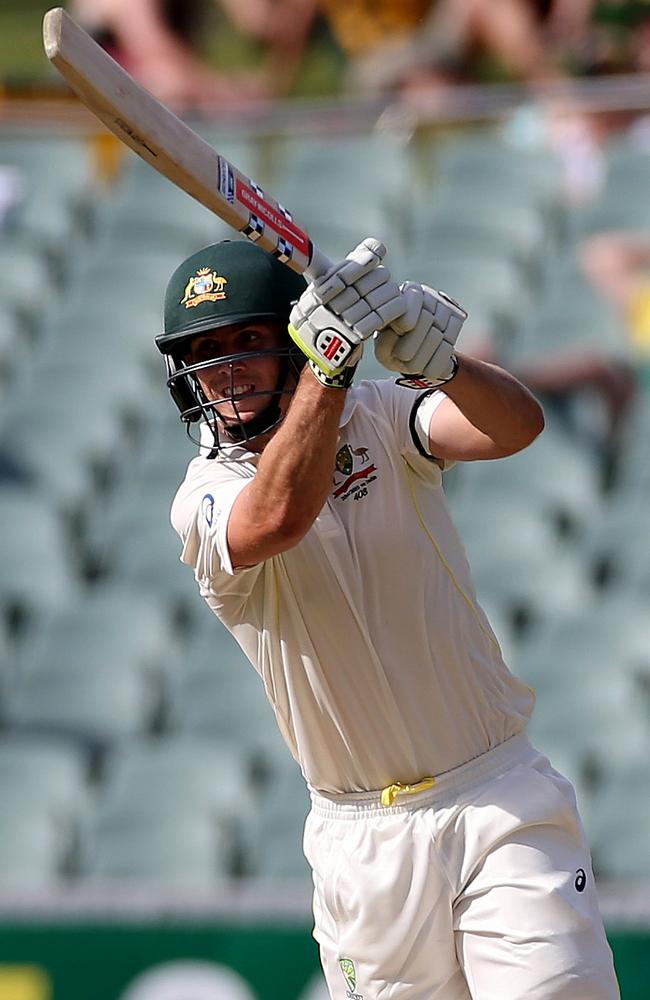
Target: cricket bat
x=174, y=149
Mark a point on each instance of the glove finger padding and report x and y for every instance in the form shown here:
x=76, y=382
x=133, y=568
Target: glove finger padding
x=334, y=315
x=432, y=364
x=373, y=312
x=448, y=315
x=364, y=258
x=384, y=343
x=413, y=295
x=422, y=340
x=361, y=278
x=412, y=343
x=350, y=294
x=374, y=293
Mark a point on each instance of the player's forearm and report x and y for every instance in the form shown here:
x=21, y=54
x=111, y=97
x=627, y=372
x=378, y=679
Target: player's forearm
x=294, y=475
x=496, y=403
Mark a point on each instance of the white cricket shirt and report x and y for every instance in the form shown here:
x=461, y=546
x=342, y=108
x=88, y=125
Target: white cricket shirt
x=378, y=661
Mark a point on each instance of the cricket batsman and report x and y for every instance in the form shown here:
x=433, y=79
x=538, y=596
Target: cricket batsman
x=449, y=861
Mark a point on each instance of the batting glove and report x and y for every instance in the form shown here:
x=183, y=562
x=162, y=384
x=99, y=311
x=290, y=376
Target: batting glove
x=421, y=342
x=344, y=307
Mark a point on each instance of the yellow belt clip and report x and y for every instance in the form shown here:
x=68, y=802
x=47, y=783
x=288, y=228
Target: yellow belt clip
x=389, y=794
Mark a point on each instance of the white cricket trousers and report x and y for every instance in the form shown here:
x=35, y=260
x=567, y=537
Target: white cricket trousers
x=480, y=888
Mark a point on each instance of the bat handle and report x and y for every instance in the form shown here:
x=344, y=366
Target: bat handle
x=318, y=265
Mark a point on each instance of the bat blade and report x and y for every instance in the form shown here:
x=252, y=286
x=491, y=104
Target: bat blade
x=170, y=146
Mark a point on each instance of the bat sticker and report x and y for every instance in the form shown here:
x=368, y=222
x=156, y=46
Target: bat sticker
x=254, y=228
x=286, y=229
x=283, y=251
x=226, y=180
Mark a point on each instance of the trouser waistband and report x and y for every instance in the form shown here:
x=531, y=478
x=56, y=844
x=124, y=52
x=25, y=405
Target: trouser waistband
x=353, y=804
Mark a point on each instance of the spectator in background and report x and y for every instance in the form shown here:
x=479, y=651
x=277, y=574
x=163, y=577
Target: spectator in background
x=567, y=373
x=416, y=43
x=615, y=40
x=158, y=42
x=617, y=263
x=390, y=44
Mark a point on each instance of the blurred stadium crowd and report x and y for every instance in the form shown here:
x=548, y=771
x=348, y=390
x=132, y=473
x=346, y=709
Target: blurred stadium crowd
x=135, y=742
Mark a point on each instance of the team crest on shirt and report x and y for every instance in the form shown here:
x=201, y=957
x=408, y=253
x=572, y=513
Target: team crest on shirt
x=204, y=286
x=353, y=474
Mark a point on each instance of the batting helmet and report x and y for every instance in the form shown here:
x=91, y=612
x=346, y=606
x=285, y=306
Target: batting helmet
x=222, y=285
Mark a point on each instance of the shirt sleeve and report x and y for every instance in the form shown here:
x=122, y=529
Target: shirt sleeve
x=408, y=411
x=200, y=514
x=423, y=410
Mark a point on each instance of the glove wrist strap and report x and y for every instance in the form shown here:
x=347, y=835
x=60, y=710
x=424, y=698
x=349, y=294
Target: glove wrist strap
x=424, y=382
x=343, y=380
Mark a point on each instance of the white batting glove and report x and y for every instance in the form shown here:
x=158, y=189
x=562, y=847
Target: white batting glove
x=359, y=289
x=421, y=342
x=321, y=333
x=344, y=307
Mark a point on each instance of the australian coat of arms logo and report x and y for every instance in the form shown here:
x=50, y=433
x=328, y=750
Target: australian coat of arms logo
x=204, y=286
x=358, y=471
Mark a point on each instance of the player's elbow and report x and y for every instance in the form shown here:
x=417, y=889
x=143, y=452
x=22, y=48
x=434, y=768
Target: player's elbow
x=536, y=421
x=528, y=427
x=250, y=543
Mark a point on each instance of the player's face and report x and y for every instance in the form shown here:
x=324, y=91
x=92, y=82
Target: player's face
x=256, y=373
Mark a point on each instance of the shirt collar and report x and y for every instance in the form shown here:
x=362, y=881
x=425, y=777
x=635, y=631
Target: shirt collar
x=348, y=408
x=229, y=451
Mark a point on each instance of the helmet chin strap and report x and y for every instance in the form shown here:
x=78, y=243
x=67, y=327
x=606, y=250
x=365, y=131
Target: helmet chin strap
x=265, y=421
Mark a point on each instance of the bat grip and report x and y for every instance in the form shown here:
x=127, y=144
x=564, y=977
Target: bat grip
x=318, y=265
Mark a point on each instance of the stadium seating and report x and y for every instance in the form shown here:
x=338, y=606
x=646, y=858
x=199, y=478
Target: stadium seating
x=177, y=850
x=45, y=798
x=109, y=624
x=148, y=783
x=92, y=704
x=11, y=340
x=489, y=286
x=277, y=828
x=31, y=855
x=146, y=212
x=621, y=821
x=62, y=453
x=221, y=696
x=27, y=282
x=469, y=221
x=57, y=186
x=486, y=162
x=37, y=574
x=48, y=771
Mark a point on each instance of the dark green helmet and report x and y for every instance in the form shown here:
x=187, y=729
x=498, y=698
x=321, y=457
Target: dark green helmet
x=223, y=285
